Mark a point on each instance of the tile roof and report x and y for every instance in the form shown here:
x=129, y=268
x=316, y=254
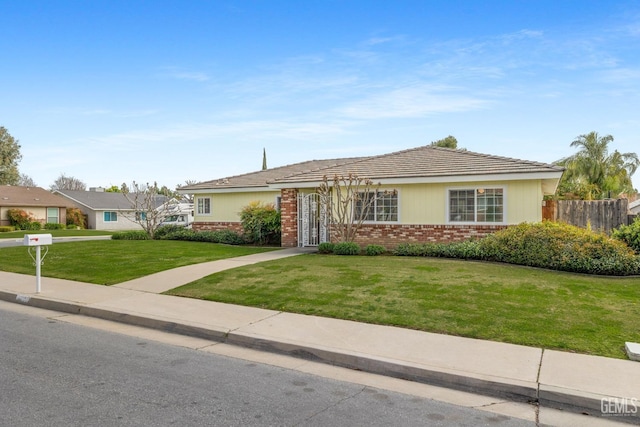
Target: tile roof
x=11, y=195
x=263, y=177
x=424, y=162
x=101, y=200
x=421, y=162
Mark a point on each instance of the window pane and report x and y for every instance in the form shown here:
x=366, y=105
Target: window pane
x=204, y=205
x=110, y=217
x=387, y=207
x=490, y=205
x=52, y=215
x=461, y=205
x=364, y=207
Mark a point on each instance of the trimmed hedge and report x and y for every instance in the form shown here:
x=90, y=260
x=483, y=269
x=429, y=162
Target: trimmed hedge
x=346, y=248
x=228, y=237
x=6, y=228
x=373, y=250
x=551, y=245
x=130, y=235
x=54, y=226
x=325, y=248
x=560, y=246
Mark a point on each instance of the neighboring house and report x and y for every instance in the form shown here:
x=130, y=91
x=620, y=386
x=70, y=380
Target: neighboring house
x=106, y=210
x=634, y=207
x=435, y=194
x=44, y=206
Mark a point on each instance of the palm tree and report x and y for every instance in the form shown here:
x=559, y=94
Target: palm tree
x=593, y=173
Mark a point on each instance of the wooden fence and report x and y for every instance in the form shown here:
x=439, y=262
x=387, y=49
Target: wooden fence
x=600, y=215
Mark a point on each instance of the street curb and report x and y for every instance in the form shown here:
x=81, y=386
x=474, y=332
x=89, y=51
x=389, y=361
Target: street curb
x=523, y=391
x=487, y=385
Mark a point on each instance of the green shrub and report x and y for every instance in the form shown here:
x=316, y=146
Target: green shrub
x=325, y=248
x=468, y=249
x=166, y=230
x=75, y=217
x=130, y=235
x=551, y=245
x=228, y=237
x=346, y=248
x=6, y=228
x=33, y=225
x=629, y=234
x=373, y=250
x=560, y=246
x=54, y=226
x=72, y=227
x=261, y=223
x=20, y=219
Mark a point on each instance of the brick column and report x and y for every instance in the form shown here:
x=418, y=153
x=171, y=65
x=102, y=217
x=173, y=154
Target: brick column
x=289, y=217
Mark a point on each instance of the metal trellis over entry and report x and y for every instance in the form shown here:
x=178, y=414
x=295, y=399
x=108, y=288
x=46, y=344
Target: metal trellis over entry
x=312, y=220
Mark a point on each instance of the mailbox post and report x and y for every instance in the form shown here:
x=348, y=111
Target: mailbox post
x=37, y=241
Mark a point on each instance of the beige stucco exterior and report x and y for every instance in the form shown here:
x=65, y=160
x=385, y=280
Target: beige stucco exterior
x=226, y=207
x=417, y=203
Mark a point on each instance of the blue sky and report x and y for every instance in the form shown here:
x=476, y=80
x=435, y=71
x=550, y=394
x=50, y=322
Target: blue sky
x=114, y=91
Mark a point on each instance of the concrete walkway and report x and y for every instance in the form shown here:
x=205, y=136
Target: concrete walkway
x=595, y=385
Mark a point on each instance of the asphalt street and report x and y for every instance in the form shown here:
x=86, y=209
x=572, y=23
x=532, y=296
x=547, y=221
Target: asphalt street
x=60, y=374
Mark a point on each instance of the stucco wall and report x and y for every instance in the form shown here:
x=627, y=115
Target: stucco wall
x=226, y=207
x=38, y=213
x=427, y=204
x=97, y=222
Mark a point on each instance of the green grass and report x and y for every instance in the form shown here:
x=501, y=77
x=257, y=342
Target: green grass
x=55, y=233
x=521, y=305
x=107, y=262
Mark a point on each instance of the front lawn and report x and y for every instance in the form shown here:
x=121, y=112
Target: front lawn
x=55, y=233
x=521, y=305
x=107, y=262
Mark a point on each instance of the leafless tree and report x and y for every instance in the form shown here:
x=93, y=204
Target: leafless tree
x=26, y=181
x=348, y=201
x=68, y=183
x=150, y=204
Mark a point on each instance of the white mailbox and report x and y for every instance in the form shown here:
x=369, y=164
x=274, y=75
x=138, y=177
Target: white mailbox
x=37, y=239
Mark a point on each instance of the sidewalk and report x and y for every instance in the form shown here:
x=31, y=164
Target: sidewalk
x=555, y=379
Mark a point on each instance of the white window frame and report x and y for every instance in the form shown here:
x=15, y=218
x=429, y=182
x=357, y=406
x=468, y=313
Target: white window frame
x=50, y=217
x=111, y=213
x=475, y=207
x=203, y=206
x=375, y=208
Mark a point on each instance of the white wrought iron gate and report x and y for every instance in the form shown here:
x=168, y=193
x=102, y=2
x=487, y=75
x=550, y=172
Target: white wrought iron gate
x=312, y=220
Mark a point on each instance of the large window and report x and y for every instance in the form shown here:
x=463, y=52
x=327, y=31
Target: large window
x=53, y=215
x=376, y=206
x=204, y=206
x=110, y=216
x=476, y=205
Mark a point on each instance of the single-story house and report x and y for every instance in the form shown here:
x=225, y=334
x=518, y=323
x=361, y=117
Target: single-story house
x=106, y=210
x=426, y=194
x=41, y=204
x=634, y=207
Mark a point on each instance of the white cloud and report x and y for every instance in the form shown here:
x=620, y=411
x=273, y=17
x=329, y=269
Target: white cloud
x=414, y=101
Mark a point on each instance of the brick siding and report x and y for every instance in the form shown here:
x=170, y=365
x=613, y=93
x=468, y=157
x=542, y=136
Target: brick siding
x=390, y=236
x=215, y=226
x=289, y=217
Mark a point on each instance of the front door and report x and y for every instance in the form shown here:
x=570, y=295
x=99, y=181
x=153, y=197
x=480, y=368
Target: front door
x=312, y=227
